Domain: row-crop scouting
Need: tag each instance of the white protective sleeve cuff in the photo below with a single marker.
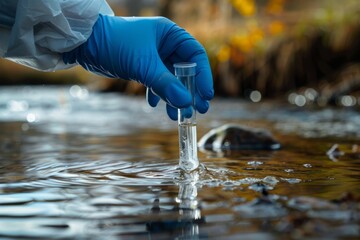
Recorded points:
(43, 29)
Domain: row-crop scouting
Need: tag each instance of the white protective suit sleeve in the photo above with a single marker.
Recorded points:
(35, 33)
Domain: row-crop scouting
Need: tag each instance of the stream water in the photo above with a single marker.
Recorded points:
(84, 165)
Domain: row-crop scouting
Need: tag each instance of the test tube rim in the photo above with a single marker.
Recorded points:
(185, 65)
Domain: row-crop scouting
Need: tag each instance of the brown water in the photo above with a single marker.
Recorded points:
(82, 165)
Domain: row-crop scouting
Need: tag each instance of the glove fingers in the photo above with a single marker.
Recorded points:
(192, 51)
(173, 58)
(182, 47)
(200, 85)
(204, 80)
(172, 112)
(201, 105)
(151, 98)
(168, 87)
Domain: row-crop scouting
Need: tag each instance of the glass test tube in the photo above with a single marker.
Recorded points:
(186, 72)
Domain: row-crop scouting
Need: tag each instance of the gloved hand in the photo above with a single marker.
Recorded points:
(145, 49)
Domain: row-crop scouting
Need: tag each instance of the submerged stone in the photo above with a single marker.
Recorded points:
(335, 154)
(236, 137)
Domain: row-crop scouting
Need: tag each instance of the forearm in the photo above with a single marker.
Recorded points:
(42, 30)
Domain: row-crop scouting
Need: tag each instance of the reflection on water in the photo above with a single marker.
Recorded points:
(77, 164)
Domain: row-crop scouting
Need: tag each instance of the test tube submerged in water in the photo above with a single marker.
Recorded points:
(186, 72)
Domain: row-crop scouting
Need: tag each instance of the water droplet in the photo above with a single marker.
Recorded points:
(307, 165)
(31, 117)
(291, 98)
(78, 92)
(255, 163)
(255, 96)
(348, 101)
(300, 100)
(25, 127)
(249, 180)
(311, 94)
(270, 180)
(291, 180)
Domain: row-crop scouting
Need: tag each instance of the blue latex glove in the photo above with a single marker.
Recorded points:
(145, 49)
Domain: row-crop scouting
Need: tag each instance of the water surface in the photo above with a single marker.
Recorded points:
(78, 164)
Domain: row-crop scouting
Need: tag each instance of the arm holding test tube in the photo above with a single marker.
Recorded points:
(140, 49)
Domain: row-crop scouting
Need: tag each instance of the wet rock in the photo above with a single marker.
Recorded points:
(355, 152)
(347, 198)
(334, 153)
(301, 226)
(236, 137)
(317, 217)
(346, 208)
(305, 203)
(260, 187)
(262, 207)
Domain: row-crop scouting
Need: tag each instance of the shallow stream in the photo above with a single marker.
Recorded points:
(84, 165)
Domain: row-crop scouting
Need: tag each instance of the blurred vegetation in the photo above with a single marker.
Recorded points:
(272, 47)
